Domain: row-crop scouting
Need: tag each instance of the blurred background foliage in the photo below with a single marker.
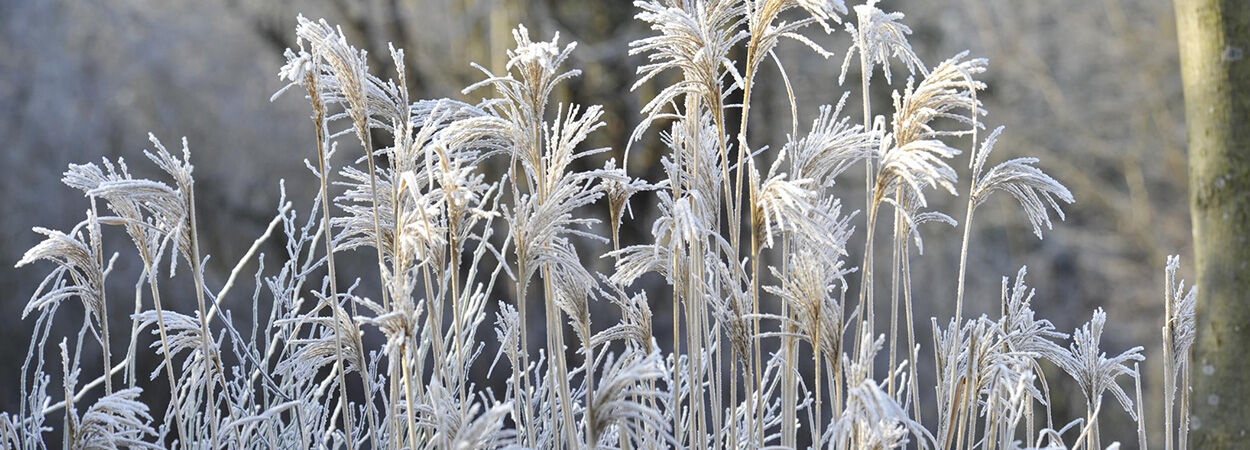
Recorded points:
(1090, 87)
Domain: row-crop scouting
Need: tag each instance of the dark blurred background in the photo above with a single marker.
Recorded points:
(1091, 88)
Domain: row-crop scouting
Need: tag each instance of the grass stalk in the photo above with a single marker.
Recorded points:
(319, 113)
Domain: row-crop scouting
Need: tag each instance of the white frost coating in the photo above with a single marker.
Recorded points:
(432, 200)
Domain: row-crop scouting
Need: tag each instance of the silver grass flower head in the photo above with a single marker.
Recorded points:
(298, 70)
(467, 197)
(565, 134)
(178, 168)
(872, 418)
(857, 370)
(356, 226)
(916, 219)
(455, 425)
(634, 261)
(572, 295)
(766, 31)
(949, 91)
(344, 80)
(1181, 304)
(508, 333)
(914, 166)
(486, 431)
(450, 123)
(1022, 331)
(620, 189)
(130, 198)
(424, 218)
(533, 73)
(820, 10)
(694, 38)
(807, 287)
(442, 128)
(951, 350)
(543, 227)
(1093, 370)
(537, 64)
(635, 325)
(176, 220)
(538, 56)
(677, 227)
(183, 335)
(146, 209)
(691, 140)
(78, 271)
(1003, 373)
(828, 230)
(878, 37)
(1033, 189)
(730, 310)
(795, 206)
(825, 9)
(461, 184)
(89, 177)
(998, 370)
(324, 345)
(115, 421)
(1005, 388)
(346, 66)
(621, 398)
(399, 324)
(831, 146)
(781, 205)
(683, 226)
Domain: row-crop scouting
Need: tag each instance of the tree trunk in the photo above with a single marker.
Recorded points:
(1213, 36)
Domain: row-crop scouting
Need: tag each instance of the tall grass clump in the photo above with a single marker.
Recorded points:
(777, 338)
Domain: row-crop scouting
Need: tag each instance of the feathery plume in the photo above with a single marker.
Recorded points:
(115, 421)
(1093, 370)
(1031, 187)
(879, 35)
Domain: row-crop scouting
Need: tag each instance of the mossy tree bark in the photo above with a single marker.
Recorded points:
(1214, 36)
